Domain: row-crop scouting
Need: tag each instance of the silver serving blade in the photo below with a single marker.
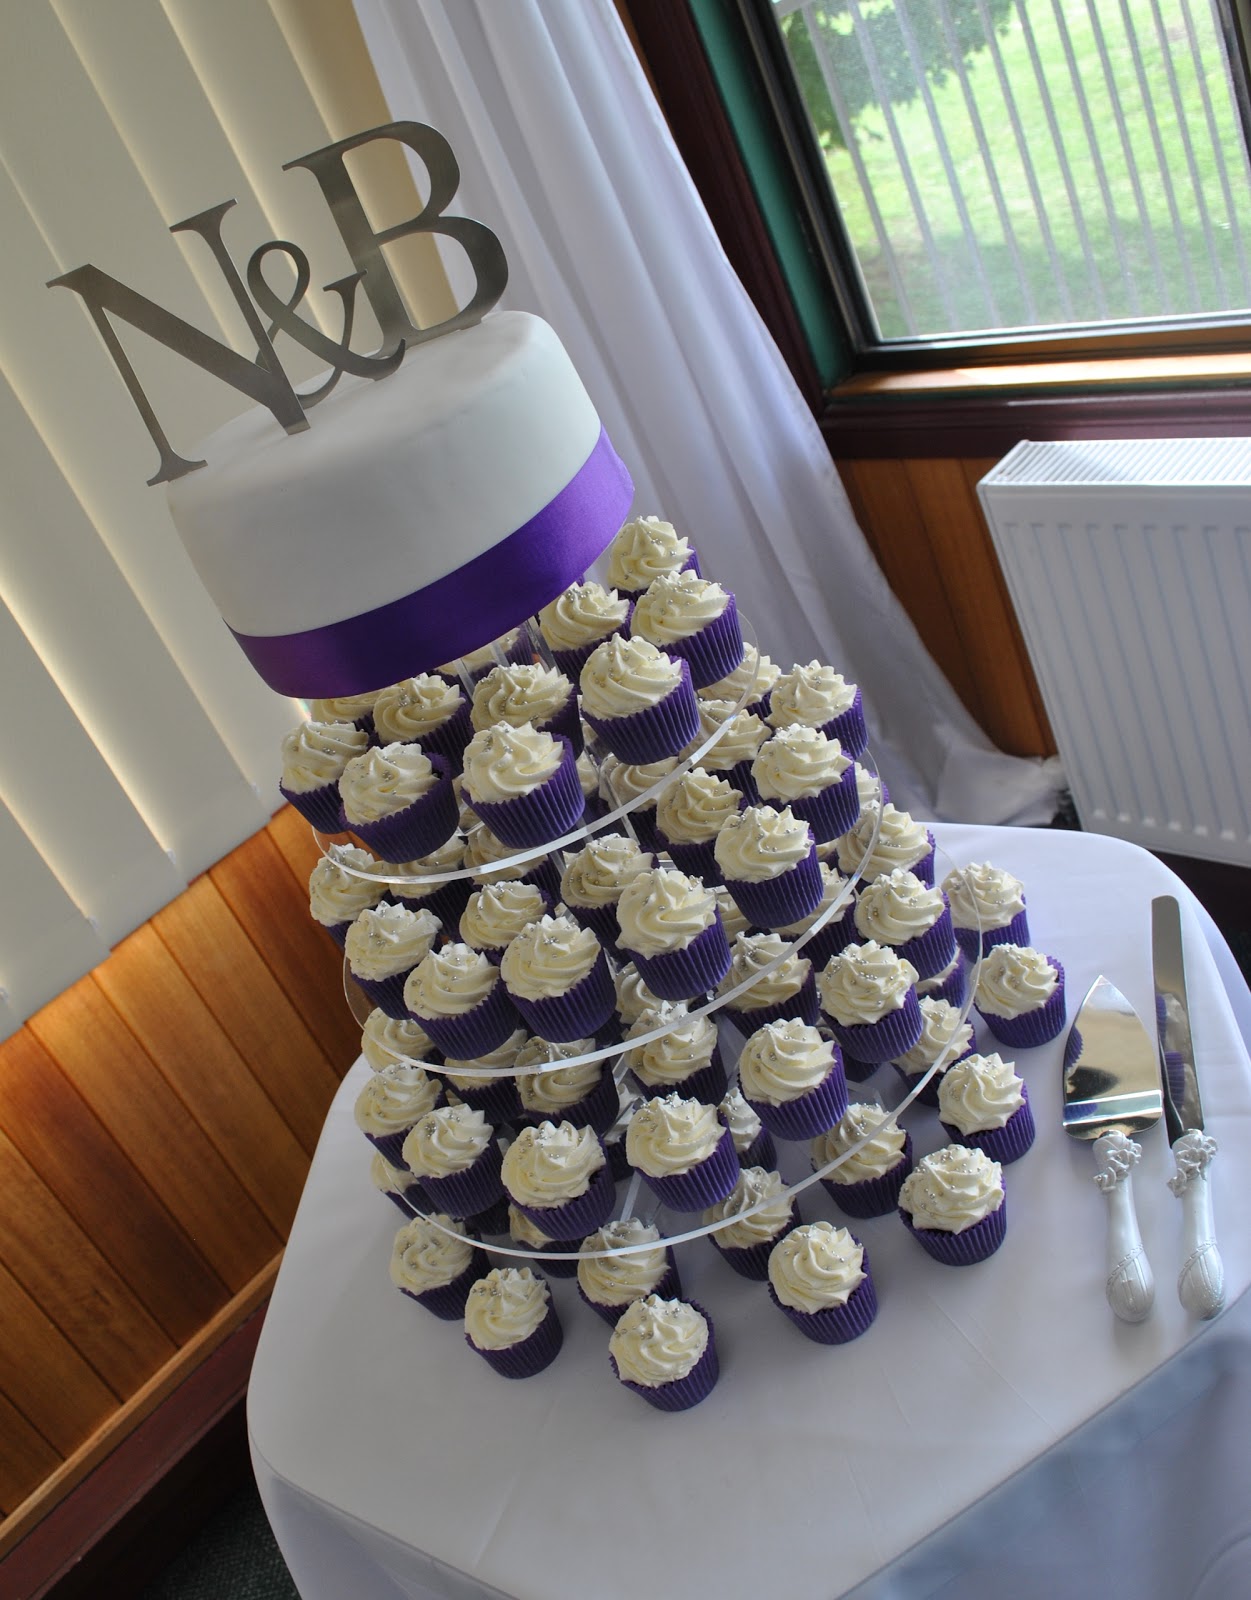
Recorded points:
(1111, 1090)
(1201, 1282)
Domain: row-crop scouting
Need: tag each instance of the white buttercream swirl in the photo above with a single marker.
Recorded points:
(424, 1257)
(483, 849)
(658, 1341)
(980, 1092)
(741, 1120)
(939, 1022)
(597, 873)
(902, 842)
(618, 1280)
(551, 1164)
(953, 1189)
(676, 605)
(344, 707)
(621, 781)
(449, 982)
(693, 810)
(468, 1075)
(797, 763)
(547, 1094)
(622, 676)
(743, 735)
(316, 753)
(336, 895)
(385, 780)
(983, 896)
(761, 843)
(863, 983)
(505, 1308)
(548, 957)
(662, 910)
(1014, 979)
(754, 1184)
(584, 612)
(387, 939)
(395, 1098)
(411, 709)
(813, 694)
(882, 1152)
(408, 880)
(642, 550)
(386, 1040)
(749, 954)
(495, 914)
(897, 907)
(669, 1135)
(388, 1179)
(732, 919)
(754, 676)
(503, 762)
(815, 1267)
(783, 1060)
(520, 694)
(633, 995)
(686, 1047)
(449, 1139)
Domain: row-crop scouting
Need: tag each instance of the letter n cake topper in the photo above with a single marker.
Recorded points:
(261, 377)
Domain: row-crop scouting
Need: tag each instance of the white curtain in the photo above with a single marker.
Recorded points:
(565, 154)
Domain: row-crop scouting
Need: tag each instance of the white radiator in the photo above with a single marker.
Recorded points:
(1129, 563)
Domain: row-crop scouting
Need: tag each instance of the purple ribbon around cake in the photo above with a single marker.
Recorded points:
(463, 610)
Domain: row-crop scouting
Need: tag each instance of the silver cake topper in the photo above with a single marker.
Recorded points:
(261, 377)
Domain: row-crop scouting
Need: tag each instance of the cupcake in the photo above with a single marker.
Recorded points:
(901, 842)
(753, 1143)
(558, 978)
(314, 757)
(490, 860)
(869, 996)
(580, 618)
(953, 1204)
(800, 768)
(341, 886)
(387, 1040)
(754, 677)
(633, 995)
(744, 1242)
(665, 1352)
(593, 879)
(356, 709)
(427, 710)
(987, 908)
(523, 784)
(819, 1277)
(684, 1152)
(815, 696)
(455, 1156)
(1020, 995)
(689, 816)
(628, 1103)
(537, 695)
(768, 861)
(732, 919)
(839, 928)
(486, 1082)
(424, 881)
(789, 990)
(435, 1263)
(867, 1182)
(495, 914)
(621, 783)
(530, 1237)
(639, 700)
(398, 1184)
(685, 1059)
(513, 646)
(983, 1104)
(609, 1284)
(382, 946)
(511, 1322)
(692, 619)
(792, 1078)
(943, 1037)
(456, 995)
(951, 984)
(740, 734)
(584, 1092)
(557, 1175)
(671, 929)
(391, 1103)
(906, 916)
(398, 800)
(643, 550)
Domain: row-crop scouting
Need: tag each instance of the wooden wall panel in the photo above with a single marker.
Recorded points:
(56, 1389)
(26, 1458)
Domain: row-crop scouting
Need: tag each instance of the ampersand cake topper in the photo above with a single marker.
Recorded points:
(261, 377)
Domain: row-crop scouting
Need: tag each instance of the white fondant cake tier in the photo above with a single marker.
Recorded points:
(344, 557)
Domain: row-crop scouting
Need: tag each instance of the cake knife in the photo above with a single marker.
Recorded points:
(1112, 1089)
(1201, 1282)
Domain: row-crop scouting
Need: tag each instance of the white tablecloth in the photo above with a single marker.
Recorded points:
(996, 1432)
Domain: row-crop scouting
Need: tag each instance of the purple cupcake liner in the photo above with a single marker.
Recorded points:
(656, 732)
(597, 1110)
(807, 1114)
(761, 1152)
(386, 993)
(494, 1220)
(833, 938)
(555, 1269)
(962, 1249)
(450, 737)
(849, 728)
(803, 1006)
(532, 1354)
(579, 1216)
(476, 1189)
(1006, 1144)
(411, 1201)
(973, 942)
(924, 868)
(890, 1036)
(320, 807)
(601, 920)
(693, 970)
(836, 1324)
(578, 1012)
(752, 1261)
(831, 813)
(447, 901)
(567, 723)
(544, 874)
(476, 1032)
(704, 1184)
(738, 776)
(706, 1084)
(668, 1287)
(643, 821)
(954, 987)
(618, 1161)
(682, 1393)
(390, 1145)
(858, 1071)
(447, 1302)
(418, 829)
(1032, 1027)
(778, 902)
(337, 931)
(929, 1095)
(496, 1098)
(872, 1197)
(714, 651)
(697, 860)
(930, 952)
(552, 808)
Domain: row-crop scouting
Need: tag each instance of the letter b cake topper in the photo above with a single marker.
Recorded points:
(262, 377)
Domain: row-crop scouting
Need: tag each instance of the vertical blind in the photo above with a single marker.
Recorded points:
(137, 744)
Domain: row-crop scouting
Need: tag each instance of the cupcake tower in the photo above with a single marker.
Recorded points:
(554, 863)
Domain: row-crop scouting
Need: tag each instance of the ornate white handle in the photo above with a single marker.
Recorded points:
(1130, 1285)
(1201, 1282)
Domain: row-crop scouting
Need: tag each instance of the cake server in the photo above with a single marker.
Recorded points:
(1201, 1282)
(1112, 1090)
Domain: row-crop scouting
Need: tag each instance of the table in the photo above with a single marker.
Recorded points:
(997, 1432)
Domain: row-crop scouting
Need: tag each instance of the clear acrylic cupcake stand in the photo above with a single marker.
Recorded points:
(614, 821)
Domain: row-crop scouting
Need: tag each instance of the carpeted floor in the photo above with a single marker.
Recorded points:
(234, 1557)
